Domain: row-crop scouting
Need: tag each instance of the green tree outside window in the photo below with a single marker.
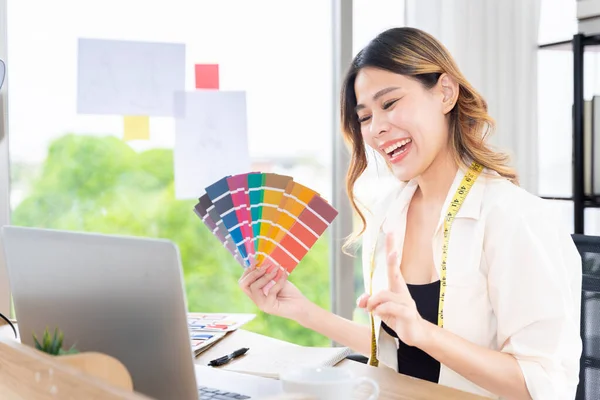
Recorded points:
(100, 184)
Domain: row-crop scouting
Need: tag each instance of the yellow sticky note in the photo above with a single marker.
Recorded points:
(136, 127)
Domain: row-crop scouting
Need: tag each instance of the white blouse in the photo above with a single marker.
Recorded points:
(513, 281)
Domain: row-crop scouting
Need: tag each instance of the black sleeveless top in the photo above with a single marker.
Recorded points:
(413, 361)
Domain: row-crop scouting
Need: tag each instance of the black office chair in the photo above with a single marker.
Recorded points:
(589, 375)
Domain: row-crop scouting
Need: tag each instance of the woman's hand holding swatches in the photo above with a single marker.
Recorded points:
(282, 298)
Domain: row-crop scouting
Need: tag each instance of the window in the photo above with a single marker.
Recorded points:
(558, 23)
(369, 19)
(74, 171)
(555, 98)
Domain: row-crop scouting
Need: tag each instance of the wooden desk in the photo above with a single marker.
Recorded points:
(26, 373)
(393, 386)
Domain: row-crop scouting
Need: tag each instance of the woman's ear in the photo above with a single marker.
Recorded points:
(449, 89)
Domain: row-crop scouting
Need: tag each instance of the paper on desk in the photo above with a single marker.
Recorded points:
(211, 139)
(202, 341)
(273, 361)
(213, 322)
(128, 78)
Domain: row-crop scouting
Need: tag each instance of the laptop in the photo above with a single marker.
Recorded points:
(122, 296)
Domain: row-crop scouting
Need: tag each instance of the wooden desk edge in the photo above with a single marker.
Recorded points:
(26, 373)
(392, 384)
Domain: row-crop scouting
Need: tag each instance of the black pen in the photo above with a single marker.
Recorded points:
(225, 359)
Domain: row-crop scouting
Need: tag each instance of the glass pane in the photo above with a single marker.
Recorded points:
(592, 221)
(555, 124)
(555, 99)
(369, 19)
(558, 20)
(75, 171)
(563, 212)
(372, 17)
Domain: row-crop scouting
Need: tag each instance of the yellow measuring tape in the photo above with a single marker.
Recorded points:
(457, 201)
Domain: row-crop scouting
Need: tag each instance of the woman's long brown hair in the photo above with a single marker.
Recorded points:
(414, 53)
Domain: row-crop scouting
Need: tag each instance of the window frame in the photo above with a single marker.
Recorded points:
(4, 163)
(341, 265)
(341, 268)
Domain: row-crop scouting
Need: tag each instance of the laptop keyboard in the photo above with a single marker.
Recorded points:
(207, 393)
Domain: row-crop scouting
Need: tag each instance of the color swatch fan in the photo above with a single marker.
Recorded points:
(265, 218)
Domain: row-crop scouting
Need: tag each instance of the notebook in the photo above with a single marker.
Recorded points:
(271, 362)
(202, 341)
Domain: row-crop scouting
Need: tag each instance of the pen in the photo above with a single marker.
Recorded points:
(225, 359)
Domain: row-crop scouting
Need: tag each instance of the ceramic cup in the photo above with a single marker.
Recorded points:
(325, 383)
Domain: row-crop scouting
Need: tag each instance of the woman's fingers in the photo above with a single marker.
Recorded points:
(273, 288)
(391, 309)
(250, 275)
(263, 280)
(379, 298)
(246, 272)
(361, 302)
(387, 296)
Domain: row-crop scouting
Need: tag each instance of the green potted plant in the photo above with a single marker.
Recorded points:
(52, 344)
(99, 365)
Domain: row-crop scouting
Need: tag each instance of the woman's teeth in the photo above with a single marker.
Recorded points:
(390, 149)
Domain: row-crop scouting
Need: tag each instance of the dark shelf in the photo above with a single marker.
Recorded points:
(557, 198)
(591, 43)
(562, 45)
(591, 40)
(591, 204)
(588, 202)
(578, 45)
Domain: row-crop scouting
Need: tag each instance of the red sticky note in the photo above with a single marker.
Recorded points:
(207, 76)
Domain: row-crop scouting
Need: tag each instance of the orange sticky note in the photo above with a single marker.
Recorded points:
(136, 127)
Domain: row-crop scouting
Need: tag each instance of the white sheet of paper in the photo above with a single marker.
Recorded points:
(128, 78)
(211, 139)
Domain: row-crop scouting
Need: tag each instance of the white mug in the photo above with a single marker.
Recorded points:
(325, 383)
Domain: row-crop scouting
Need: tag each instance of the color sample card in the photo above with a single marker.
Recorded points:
(255, 196)
(264, 219)
(293, 244)
(297, 197)
(273, 193)
(220, 196)
(136, 127)
(216, 227)
(238, 187)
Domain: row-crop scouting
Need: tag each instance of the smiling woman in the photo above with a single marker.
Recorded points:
(450, 309)
(469, 282)
(400, 78)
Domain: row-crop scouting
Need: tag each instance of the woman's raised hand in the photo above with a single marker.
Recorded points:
(395, 306)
